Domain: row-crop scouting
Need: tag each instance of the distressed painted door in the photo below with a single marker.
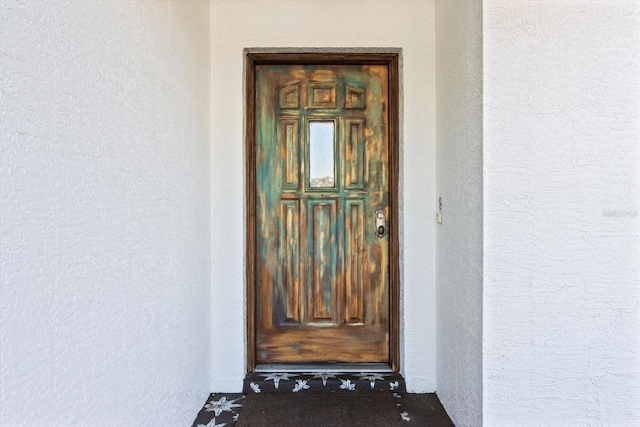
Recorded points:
(322, 291)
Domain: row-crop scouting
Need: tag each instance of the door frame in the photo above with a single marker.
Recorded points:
(391, 60)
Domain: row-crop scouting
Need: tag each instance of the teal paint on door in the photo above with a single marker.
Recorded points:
(322, 158)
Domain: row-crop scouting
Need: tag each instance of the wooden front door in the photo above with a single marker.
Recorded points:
(322, 213)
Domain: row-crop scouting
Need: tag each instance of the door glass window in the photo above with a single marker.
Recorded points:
(321, 154)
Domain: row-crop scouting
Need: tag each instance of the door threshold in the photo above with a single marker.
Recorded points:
(324, 377)
(323, 367)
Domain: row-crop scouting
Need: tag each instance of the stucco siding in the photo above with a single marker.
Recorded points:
(561, 213)
(459, 184)
(104, 212)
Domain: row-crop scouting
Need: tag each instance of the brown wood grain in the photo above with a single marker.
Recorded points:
(317, 341)
(302, 344)
(394, 243)
(250, 193)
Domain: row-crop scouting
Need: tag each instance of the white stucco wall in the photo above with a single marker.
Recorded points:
(459, 183)
(104, 212)
(408, 25)
(561, 213)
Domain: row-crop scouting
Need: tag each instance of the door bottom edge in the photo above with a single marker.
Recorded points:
(323, 367)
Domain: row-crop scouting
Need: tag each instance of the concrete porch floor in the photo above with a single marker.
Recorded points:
(223, 410)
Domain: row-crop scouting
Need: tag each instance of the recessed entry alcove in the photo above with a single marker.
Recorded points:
(499, 212)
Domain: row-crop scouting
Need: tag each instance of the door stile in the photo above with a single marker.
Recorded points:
(250, 192)
(394, 206)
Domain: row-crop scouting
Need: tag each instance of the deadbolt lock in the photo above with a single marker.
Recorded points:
(381, 222)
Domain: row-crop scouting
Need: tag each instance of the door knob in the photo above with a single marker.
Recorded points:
(381, 222)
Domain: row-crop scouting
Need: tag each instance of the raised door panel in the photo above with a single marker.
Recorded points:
(323, 251)
(289, 282)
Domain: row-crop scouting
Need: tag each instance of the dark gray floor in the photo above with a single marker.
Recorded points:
(225, 410)
(319, 410)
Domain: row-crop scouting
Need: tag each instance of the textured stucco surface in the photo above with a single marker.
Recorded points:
(561, 213)
(104, 212)
(459, 183)
(408, 25)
